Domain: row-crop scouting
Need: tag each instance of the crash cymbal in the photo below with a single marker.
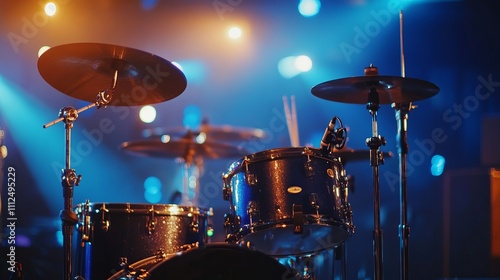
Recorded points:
(348, 154)
(182, 148)
(212, 132)
(390, 89)
(81, 70)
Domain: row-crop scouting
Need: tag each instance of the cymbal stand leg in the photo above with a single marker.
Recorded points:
(375, 159)
(402, 110)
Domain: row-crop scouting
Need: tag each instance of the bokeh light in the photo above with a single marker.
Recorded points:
(50, 9)
(309, 8)
(147, 114)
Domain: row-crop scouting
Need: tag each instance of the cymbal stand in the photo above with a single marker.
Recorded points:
(402, 110)
(69, 179)
(374, 143)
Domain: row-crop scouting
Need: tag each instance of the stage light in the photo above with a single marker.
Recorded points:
(50, 9)
(286, 67)
(437, 165)
(309, 8)
(165, 138)
(201, 138)
(152, 184)
(147, 114)
(42, 50)
(234, 33)
(303, 63)
(152, 197)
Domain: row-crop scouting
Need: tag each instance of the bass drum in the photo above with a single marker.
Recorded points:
(211, 262)
(288, 201)
(111, 235)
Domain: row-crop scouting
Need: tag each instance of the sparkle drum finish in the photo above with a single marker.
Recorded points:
(287, 201)
(113, 234)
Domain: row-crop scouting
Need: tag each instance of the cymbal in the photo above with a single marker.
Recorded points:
(82, 70)
(182, 148)
(390, 89)
(213, 132)
(348, 154)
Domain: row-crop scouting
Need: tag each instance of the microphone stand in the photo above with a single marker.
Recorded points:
(69, 179)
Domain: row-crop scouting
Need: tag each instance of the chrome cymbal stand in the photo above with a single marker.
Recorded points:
(69, 179)
(374, 143)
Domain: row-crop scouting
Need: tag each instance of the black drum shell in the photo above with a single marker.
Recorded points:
(127, 235)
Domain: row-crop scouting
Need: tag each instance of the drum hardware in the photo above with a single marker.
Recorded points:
(151, 221)
(69, 179)
(104, 222)
(374, 90)
(298, 219)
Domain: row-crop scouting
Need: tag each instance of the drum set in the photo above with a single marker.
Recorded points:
(288, 214)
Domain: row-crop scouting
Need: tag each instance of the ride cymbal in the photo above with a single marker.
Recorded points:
(82, 70)
(390, 89)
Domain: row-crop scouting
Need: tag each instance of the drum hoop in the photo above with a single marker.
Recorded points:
(137, 208)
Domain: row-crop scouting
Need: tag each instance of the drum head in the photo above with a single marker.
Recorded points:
(221, 262)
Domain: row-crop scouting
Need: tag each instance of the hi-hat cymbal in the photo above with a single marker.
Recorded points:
(348, 154)
(183, 148)
(390, 89)
(212, 132)
(82, 70)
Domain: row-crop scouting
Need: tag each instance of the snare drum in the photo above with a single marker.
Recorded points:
(110, 234)
(211, 262)
(287, 201)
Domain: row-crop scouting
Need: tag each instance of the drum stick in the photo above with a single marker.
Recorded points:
(288, 119)
(295, 124)
(401, 44)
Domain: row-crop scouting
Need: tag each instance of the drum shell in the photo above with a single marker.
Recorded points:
(134, 232)
(263, 189)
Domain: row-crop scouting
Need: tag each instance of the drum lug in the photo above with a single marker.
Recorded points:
(314, 200)
(308, 168)
(195, 226)
(231, 222)
(252, 210)
(251, 178)
(298, 219)
(151, 221)
(85, 229)
(104, 218)
(226, 193)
